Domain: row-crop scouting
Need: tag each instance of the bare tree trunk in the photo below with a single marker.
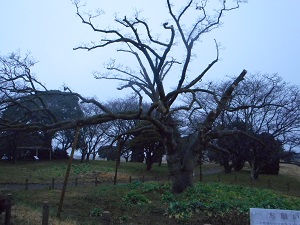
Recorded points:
(87, 157)
(181, 173)
(160, 161)
(255, 169)
(181, 177)
(149, 158)
(226, 164)
(254, 174)
(179, 183)
(181, 170)
(82, 158)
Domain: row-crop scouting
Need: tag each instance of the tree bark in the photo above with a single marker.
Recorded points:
(82, 157)
(182, 173)
(255, 169)
(180, 179)
(87, 157)
(181, 170)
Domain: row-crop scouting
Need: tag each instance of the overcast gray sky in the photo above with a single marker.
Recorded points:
(262, 36)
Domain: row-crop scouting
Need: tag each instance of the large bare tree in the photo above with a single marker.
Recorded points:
(158, 62)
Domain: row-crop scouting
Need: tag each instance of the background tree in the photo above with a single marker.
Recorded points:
(25, 101)
(64, 139)
(94, 136)
(265, 105)
(108, 152)
(44, 108)
(119, 127)
(237, 146)
(273, 112)
(265, 157)
(148, 145)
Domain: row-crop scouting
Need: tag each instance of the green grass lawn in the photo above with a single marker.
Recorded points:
(280, 183)
(45, 171)
(220, 199)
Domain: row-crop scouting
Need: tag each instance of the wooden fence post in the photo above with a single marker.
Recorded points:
(129, 179)
(63, 192)
(26, 184)
(53, 181)
(45, 218)
(76, 182)
(96, 181)
(8, 209)
(106, 218)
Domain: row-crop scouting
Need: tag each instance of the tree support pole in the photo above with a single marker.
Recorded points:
(68, 172)
(118, 159)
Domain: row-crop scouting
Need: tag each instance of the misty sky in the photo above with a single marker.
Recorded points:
(262, 36)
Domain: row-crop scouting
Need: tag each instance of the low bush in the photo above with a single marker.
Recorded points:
(135, 198)
(223, 203)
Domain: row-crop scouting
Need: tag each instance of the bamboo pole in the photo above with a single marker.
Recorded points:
(67, 173)
(45, 218)
(119, 147)
(8, 209)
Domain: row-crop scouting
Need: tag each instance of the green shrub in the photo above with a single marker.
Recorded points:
(224, 204)
(180, 211)
(134, 198)
(167, 197)
(150, 187)
(96, 212)
(124, 218)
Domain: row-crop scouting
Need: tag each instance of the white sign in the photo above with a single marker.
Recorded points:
(274, 217)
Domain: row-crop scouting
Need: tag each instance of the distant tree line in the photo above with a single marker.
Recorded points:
(263, 131)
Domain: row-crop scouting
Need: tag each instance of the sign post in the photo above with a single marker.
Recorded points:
(274, 217)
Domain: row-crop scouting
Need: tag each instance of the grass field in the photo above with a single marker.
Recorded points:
(44, 172)
(219, 199)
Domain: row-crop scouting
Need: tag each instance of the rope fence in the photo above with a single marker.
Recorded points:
(54, 184)
(230, 179)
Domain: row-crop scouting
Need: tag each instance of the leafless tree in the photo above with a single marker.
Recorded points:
(274, 107)
(157, 62)
(266, 105)
(94, 136)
